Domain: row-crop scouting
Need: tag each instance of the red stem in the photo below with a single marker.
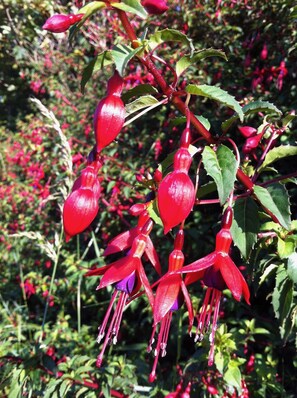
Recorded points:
(169, 92)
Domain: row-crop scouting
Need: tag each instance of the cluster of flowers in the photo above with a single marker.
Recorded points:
(175, 191)
(175, 197)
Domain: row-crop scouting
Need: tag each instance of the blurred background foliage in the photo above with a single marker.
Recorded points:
(54, 355)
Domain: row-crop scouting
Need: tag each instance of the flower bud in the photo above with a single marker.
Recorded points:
(251, 143)
(247, 131)
(60, 23)
(155, 7)
(176, 197)
(109, 116)
(182, 160)
(80, 209)
(81, 206)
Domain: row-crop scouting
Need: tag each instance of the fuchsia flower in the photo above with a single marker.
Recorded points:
(170, 294)
(59, 23)
(109, 115)
(176, 193)
(125, 240)
(127, 275)
(155, 7)
(220, 273)
(81, 206)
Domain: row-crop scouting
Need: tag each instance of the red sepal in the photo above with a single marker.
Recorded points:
(166, 295)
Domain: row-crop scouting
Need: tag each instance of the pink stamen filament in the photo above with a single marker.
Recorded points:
(114, 326)
(161, 343)
(102, 328)
(210, 309)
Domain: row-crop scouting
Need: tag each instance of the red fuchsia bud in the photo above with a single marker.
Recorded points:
(176, 197)
(81, 206)
(137, 209)
(157, 176)
(227, 218)
(182, 160)
(251, 143)
(155, 7)
(247, 131)
(109, 116)
(80, 209)
(264, 52)
(223, 240)
(59, 23)
(115, 84)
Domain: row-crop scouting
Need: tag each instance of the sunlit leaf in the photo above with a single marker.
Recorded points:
(275, 201)
(221, 166)
(188, 60)
(216, 94)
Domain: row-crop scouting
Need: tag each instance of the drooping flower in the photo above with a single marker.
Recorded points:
(128, 276)
(220, 273)
(170, 295)
(109, 115)
(155, 7)
(176, 193)
(81, 206)
(125, 240)
(59, 23)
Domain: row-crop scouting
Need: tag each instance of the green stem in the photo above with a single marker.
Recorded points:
(51, 285)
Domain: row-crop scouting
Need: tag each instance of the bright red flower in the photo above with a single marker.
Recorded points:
(60, 23)
(128, 275)
(176, 193)
(125, 240)
(170, 294)
(109, 116)
(81, 206)
(155, 7)
(220, 273)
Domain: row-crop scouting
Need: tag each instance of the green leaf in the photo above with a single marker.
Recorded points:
(131, 6)
(245, 225)
(140, 103)
(182, 119)
(141, 89)
(267, 272)
(162, 36)
(278, 153)
(288, 119)
(217, 94)
(188, 60)
(285, 247)
(88, 10)
(275, 201)
(252, 107)
(221, 166)
(282, 295)
(101, 61)
(292, 267)
(154, 212)
(122, 54)
(233, 376)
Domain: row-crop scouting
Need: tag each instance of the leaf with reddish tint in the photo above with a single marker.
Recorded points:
(167, 293)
